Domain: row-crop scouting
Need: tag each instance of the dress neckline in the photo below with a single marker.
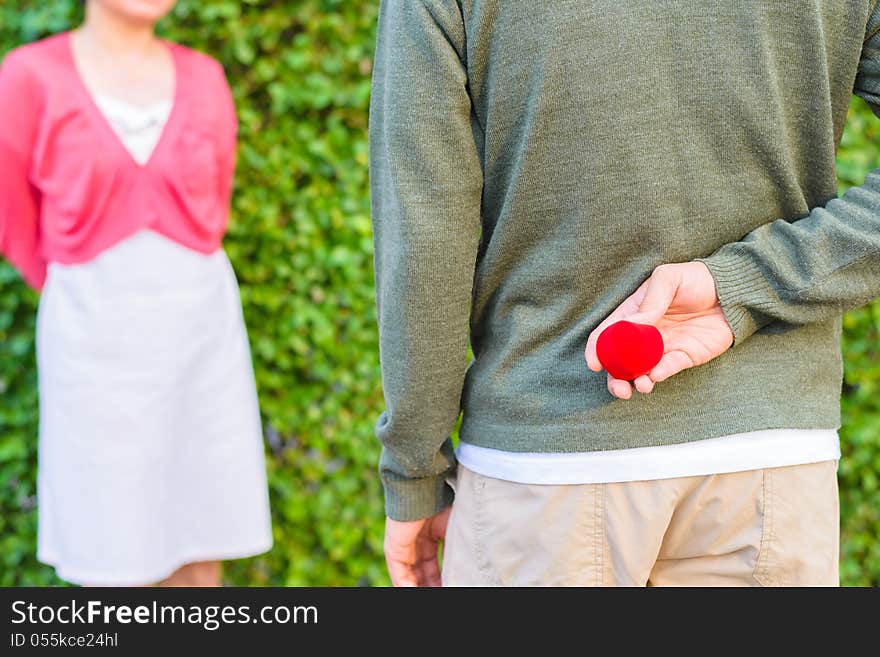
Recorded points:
(106, 100)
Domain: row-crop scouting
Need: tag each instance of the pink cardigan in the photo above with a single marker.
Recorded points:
(68, 187)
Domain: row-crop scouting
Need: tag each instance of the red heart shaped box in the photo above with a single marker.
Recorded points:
(628, 350)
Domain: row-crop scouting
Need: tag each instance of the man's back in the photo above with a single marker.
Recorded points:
(533, 163)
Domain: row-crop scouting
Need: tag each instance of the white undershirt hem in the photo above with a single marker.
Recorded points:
(753, 450)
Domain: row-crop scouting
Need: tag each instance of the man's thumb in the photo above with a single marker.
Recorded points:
(659, 294)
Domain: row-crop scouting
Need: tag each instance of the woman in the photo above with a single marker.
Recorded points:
(117, 152)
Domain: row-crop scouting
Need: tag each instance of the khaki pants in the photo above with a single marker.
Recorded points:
(773, 527)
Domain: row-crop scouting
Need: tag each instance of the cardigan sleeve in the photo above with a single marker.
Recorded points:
(819, 266)
(228, 135)
(20, 106)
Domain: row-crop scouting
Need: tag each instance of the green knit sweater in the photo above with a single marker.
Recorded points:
(532, 162)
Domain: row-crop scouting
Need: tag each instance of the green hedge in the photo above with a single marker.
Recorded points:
(300, 244)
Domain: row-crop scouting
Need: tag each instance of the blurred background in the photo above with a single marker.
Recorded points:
(300, 243)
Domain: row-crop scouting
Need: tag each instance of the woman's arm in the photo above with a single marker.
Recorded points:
(20, 106)
(228, 134)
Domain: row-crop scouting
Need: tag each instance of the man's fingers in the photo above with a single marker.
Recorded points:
(437, 530)
(619, 388)
(425, 572)
(644, 384)
(672, 362)
(411, 549)
(428, 573)
(402, 574)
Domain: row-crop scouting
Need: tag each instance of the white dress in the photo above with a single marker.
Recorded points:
(150, 452)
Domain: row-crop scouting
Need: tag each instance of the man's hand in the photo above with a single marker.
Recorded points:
(411, 549)
(681, 301)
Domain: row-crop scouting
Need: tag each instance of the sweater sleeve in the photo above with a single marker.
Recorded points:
(426, 187)
(816, 267)
(19, 200)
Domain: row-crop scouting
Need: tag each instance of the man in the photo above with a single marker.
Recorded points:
(540, 171)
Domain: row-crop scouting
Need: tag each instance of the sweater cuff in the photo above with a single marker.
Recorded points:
(741, 287)
(415, 499)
